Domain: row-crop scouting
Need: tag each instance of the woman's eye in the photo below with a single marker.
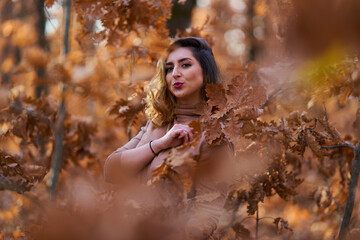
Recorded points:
(186, 65)
(169, 69)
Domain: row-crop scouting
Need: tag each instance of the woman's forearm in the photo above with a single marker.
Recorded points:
(130, 161)
(126, 163)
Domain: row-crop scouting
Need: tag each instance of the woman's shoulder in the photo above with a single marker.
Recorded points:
(150, 126)
(151, 132)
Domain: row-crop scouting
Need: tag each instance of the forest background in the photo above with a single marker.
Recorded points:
(71, 92)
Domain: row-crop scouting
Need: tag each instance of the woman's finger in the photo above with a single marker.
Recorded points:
(181, 134)
(186, 138)
(189, 133)
(191, 137)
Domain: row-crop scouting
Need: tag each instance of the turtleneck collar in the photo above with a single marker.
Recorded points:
(187, 113)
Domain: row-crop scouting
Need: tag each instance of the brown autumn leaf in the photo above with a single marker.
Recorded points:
(49, 3)
(247, 112)
(208, 197)
(7, 65)
(118, 108)
(25, 35)
(294, 118)
(179, 159)
(248, 130)
(241, 93)
(160, 171)
(305, 117)
(78, 138)
(20, 127)
(36, 57)
(124, 18)
(213, 131)
(355, 76)
(314, 145)
(128, 110)
(344, 95)
(331, 130)
(241, 231)
(281, 224)
(176, 168)
(233, 126)
(216, 100)
(34, 170)
(58, 73)
(196, 129)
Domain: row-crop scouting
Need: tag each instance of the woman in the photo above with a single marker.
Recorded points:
(173, 99)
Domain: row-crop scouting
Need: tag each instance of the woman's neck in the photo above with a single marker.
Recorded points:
(188, 101)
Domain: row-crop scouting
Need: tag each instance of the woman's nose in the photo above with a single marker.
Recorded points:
(176, 73)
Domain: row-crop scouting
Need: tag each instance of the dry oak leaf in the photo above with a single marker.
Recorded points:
(248, 112)
(177, 168)
(330, 129)
(34, 170)
(49, 3)
(196, 129)
(178, 158)
(233, 126)
(304, 117)
(217, 103)
(281, 224)
(36, 57)
(20, 127)
(58, 73)
(344, 95)
(241, 93)
(213, 131)
(208, 197)
(314, 145)
(241, 231)
(294, 118)
(119, 108)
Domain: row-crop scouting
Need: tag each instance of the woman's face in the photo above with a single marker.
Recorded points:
(184, 76)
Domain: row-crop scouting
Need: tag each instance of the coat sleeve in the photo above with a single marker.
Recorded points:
(112, 164)
(212, 182)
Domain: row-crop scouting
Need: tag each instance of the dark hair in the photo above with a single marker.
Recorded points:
(204, 55)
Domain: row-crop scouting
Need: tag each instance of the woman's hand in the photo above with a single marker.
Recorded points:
(176, 136)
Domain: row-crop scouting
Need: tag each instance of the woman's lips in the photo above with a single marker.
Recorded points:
(178, 84)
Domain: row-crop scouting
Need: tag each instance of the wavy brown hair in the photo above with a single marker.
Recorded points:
(160, 101)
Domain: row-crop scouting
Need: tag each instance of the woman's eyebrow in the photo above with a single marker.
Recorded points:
(180, 60)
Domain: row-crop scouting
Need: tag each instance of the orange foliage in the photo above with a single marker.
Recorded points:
(287, 151)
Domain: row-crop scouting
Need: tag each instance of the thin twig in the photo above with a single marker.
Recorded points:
(266, 218)
(341, 145)
(246, 219)
(272, 96)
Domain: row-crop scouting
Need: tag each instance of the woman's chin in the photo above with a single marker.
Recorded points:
(179, 94)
